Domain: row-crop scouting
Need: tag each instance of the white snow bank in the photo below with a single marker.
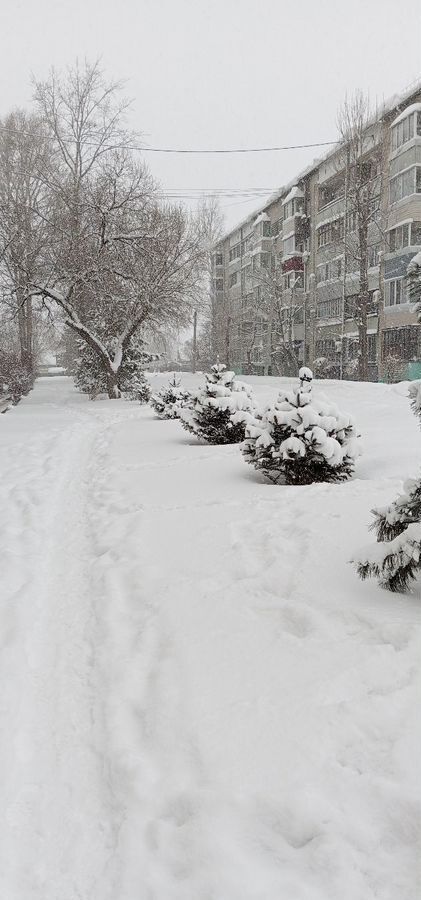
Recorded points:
(199, 699)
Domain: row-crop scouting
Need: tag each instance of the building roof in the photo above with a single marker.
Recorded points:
(389, 106)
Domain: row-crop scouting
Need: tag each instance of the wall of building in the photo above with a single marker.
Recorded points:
(299, 240)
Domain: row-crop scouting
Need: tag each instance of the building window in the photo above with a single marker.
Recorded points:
(395, 292)
(266, 229)
(330, 271)
(288, 246)
(405, 184)
(403, 132)
(322, 273)
(372, 347)
(373, 256)
(326, 347)
(293, 208)
(399, 238)
(402, 343)
(328, 193)
(219, 259)
(235, 252)
(416, 232)
(351, 306)
(329, 309)
(233, 279)
(323, 236)
(293, 280)
(219, 285)
(330, 233)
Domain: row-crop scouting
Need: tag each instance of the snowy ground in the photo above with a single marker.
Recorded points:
(198, 699)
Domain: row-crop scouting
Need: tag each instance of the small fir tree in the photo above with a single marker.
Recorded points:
(396, 559)
(90, 375)
(302, 439)
(219, 411)
(169, 401)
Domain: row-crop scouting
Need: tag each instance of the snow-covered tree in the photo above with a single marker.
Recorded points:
(114, 252)
(220, 410)
(24, 154)
(16, 379)
(90, 374)
(169, 401)
(414, 279)
(302, 438)
(396, 559)
(360, 162)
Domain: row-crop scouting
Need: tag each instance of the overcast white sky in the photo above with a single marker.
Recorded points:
(221, 73)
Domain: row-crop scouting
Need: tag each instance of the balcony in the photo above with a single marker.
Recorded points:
(294, 263)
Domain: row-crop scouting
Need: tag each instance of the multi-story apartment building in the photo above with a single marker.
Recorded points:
(287, 285)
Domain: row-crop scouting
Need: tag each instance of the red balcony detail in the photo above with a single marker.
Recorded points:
(293, 264)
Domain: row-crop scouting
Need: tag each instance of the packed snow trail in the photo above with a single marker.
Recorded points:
(199, 699)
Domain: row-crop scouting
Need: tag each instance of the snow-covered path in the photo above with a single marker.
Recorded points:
(199, 701)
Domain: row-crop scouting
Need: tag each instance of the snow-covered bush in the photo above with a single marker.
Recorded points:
(393, 369)
(15, 379)
(90, 375)
(324, 367)
(302, 438)
(169, 401)
(219, 411)
(396, 559)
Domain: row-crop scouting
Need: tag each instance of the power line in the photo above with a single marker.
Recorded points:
(144, 148)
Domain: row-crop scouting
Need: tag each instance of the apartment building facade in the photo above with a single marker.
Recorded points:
(286, 280)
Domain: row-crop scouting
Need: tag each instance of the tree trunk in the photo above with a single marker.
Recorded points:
(364, 299)
(29, 362)
(112, 385)
(194, 361)
(227, 341)
(363, 345)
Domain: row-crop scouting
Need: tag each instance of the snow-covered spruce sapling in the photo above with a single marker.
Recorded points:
(396, 558)
(90, 374)
(302, 438)
(169, 401)
(220, 410)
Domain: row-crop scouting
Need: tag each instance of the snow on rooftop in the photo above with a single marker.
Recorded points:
(262, 217)
(382, 110)
(294, 192)
(414, 107)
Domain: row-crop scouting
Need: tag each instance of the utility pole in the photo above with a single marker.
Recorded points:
(194, 341)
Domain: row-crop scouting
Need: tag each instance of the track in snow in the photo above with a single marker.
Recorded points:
(196, 703)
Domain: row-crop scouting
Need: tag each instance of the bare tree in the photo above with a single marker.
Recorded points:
(210, 223)
(116, 259)
(361, 163)
(282, 310)
(24, 154)
(138, 268)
